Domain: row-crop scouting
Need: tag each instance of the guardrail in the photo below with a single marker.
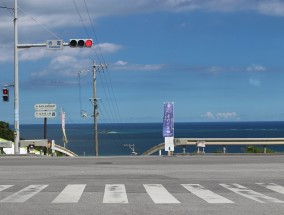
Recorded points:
(219, 141)
(64, 151)
(37, 142)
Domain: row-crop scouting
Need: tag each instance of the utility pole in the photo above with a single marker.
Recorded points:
(95, 100)
(16, 84)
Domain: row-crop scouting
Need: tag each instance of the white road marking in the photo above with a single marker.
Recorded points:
(159, 194)
(115, 193)
(71, 194)
(4, 187)
(241, 190)
(25, 194)
(273, 187)
(206, 194)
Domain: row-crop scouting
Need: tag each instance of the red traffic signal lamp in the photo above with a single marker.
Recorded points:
(81, 43)
(5, 94)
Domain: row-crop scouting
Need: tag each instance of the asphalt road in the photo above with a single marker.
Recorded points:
(214, 185)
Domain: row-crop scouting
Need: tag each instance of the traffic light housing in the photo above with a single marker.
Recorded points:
(5, 94)
(80, 43)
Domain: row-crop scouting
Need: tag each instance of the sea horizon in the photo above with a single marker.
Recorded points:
(114, 136)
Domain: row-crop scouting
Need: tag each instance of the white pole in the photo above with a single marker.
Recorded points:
(16, 83)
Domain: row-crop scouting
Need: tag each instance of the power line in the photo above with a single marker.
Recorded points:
(81, 18)
(8, 8)
(94, 32)
(34, 19)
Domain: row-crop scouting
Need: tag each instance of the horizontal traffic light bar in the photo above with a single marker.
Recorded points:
(88, 43)
(73, 43)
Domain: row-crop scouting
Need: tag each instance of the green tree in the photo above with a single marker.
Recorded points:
(5, 131)
(255, 149)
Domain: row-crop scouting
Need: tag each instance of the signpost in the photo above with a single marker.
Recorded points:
(45, 107)
(45, 111)
(45, 114)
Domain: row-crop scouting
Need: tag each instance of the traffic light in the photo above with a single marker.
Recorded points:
(81, 43)
(5, 94)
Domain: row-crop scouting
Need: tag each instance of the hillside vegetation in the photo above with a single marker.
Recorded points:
(5, 131)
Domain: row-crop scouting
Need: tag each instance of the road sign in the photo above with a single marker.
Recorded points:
(45, 114)
(45, 106)
(169, 144)
(54, 44)
(24, 143)
(5, 144)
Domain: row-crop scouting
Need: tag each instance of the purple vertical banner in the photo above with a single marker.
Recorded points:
(168, 120)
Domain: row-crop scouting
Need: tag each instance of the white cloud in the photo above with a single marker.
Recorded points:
(107, 48)
(227, 115)
(221, 116)
(208, 115)
(215, 70)
(256, 68)
(271, 7)
(122, 65)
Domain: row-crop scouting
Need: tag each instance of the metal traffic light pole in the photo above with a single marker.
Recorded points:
(88, 43)
(16, 84)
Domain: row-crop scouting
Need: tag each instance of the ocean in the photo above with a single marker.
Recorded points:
(114, 137)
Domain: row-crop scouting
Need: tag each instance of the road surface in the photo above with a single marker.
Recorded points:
(192, 185)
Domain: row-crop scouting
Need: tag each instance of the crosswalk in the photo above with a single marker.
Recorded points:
(158, 193)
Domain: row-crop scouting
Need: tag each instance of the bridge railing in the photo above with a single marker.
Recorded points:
(219, 141)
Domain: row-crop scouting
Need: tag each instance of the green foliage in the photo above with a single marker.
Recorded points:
(255, 149)
(5, 131)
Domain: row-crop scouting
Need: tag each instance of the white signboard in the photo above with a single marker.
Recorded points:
(169, 144)
(200, 144)
(24, 143)
(45, 114)
(54, 44)
(6, 144)
(45, 106)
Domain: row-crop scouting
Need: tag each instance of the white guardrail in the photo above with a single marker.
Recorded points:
(219, 141)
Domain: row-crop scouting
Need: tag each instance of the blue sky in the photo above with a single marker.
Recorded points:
(217, 60)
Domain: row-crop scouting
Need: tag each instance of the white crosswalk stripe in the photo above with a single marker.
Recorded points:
(4, 187)
(205, 194)
(115, 193)
(71, 194)
(241, 190)
(273, 187)
(159, 194)
(25, 194)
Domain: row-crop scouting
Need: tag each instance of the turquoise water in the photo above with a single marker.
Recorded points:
(112, 137)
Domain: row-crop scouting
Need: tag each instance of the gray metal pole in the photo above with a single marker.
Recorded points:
(16, 82)
(96, 143)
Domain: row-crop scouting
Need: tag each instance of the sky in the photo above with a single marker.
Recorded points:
(217, 60)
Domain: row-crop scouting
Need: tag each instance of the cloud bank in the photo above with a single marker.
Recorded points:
(226, 116)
